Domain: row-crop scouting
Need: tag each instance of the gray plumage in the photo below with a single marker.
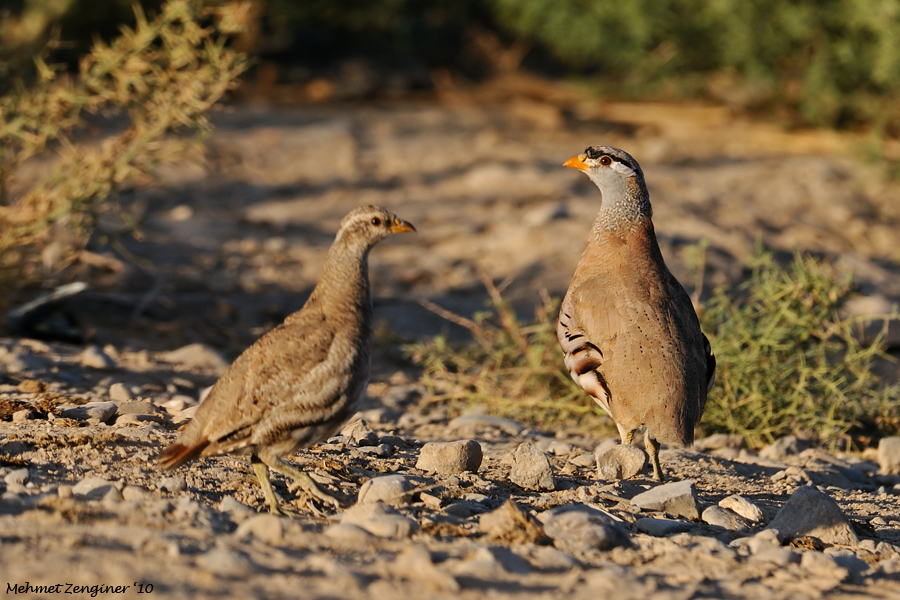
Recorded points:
(302, 380)
(629, 332)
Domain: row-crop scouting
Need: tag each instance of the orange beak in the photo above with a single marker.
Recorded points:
(577, 162)
(401, 226)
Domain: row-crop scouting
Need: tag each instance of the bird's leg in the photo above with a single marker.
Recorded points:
(262, 474)
(302, 479)
(626, 435)
(653, 451)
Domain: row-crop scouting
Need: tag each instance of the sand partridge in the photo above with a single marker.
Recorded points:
(628, 330)
(302, 380)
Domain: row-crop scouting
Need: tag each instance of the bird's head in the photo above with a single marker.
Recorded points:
(621, 182)
(368, 225)
(606, 165)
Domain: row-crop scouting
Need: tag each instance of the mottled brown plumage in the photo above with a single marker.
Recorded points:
(300, 382)
(628, 330)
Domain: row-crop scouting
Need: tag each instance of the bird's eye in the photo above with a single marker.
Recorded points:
(376, 221)
(591, 153)
(606, 161)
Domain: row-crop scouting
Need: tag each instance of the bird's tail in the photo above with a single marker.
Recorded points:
(178, 454)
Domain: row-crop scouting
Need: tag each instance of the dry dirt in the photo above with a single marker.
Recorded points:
(229, 246)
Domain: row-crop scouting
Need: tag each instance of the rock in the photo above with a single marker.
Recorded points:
(531, 468)
(391, 489)
(783, 447)
(92, 411)
(196, 356)
(138, 407)
(381, 450)
(620, 462)
(380, 519)
(470, 423)
(450, 457)
(809, 512)
(173, 483)
(547, 558)
(677, 499)
(267, 528)
(823, 566)
(661, 527)
(719, 441)
(226, 563)
(92, 487)
(511, 524)
(722, 517)
(17, 476)
(349, 534)
(119, 393)
(95, 358)
(580, 528)
(414, 563)
(135, 492)
(359, 434)
(583, 459)
(465, 508)
(889, 455)
(743, 507)
(235, 507)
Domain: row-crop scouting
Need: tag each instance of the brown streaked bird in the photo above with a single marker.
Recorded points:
(297, 385)
(629, 332)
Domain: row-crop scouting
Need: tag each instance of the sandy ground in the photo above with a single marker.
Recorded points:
(230, 245)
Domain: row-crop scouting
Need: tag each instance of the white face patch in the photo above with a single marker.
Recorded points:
(622, 169)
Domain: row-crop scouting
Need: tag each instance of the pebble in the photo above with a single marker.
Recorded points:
(119, 393)
(677, 499)
(743, 507)
(135, 492)
(414, 563)
(661, 527)
(358, 433)
(138, 407)
(173, 483)
(234, 507)
(391, 489)
(92, 411)
(23, 415)
(531, 468)
(810, 512)
(889, 455)
(95, 358)
(349, 534)
(266, 528)
(91, 487)
(465, 508)
(512, 524)
(381, 450)
(472, 422)
(196, 356)
(17, 476)
(226, 563)
(623, 461)
(380, 519)
(450, 457)
(580, 528)
(547, 558)
(583, 459)
(722, 517)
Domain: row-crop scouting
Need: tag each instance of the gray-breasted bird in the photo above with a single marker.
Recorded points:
(629, 332)
(297, 384)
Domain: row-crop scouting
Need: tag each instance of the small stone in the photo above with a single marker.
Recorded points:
(226, 563)
(267, 528)
(531, 468)
(32, 386)
(113, 495)
(722, 517)
(119, 393)
(449, 458)
(380, 519)
(138, 407)
(661, 527)
(235, 507)
(17, 476)
(414, 563)
(173, 483)
(547, 558)
(464, 508)
(95, 358)
(810, 512)
(91, 487)
(23, 415)
(580, 528)
(583, 459)
(824, 566)
(889, 455)
(391, 489)
(783, 447)
(620, 462)
(196, 356)
(381, 450)
(743, 507)
(511, 524)
(359, 434)
(677, 499)
(349, 534)
(135, 492)
(92, 411)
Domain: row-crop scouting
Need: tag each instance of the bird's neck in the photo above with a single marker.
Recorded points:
(624, 208)
(343, 287)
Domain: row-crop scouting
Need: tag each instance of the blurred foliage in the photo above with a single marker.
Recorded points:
(163, 75)
(788, 362)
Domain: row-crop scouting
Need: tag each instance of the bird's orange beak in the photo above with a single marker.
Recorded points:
(577, 162)
(401, 226)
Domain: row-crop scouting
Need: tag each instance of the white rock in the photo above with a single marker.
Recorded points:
(95, 358)
(889, 455)
(267, 528)
(450, 457)
(623, 461)
(743, 507)
(677, 499)
(359, 434)
(809, 512)
(92, 487)
(119, 393)
(173, 483)
(92, 411)
(227, 563)
(531, 468)
(380, 519)
(391, 489)
(17, 476)
(722, 517)
(580, 528)
(349, 534)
